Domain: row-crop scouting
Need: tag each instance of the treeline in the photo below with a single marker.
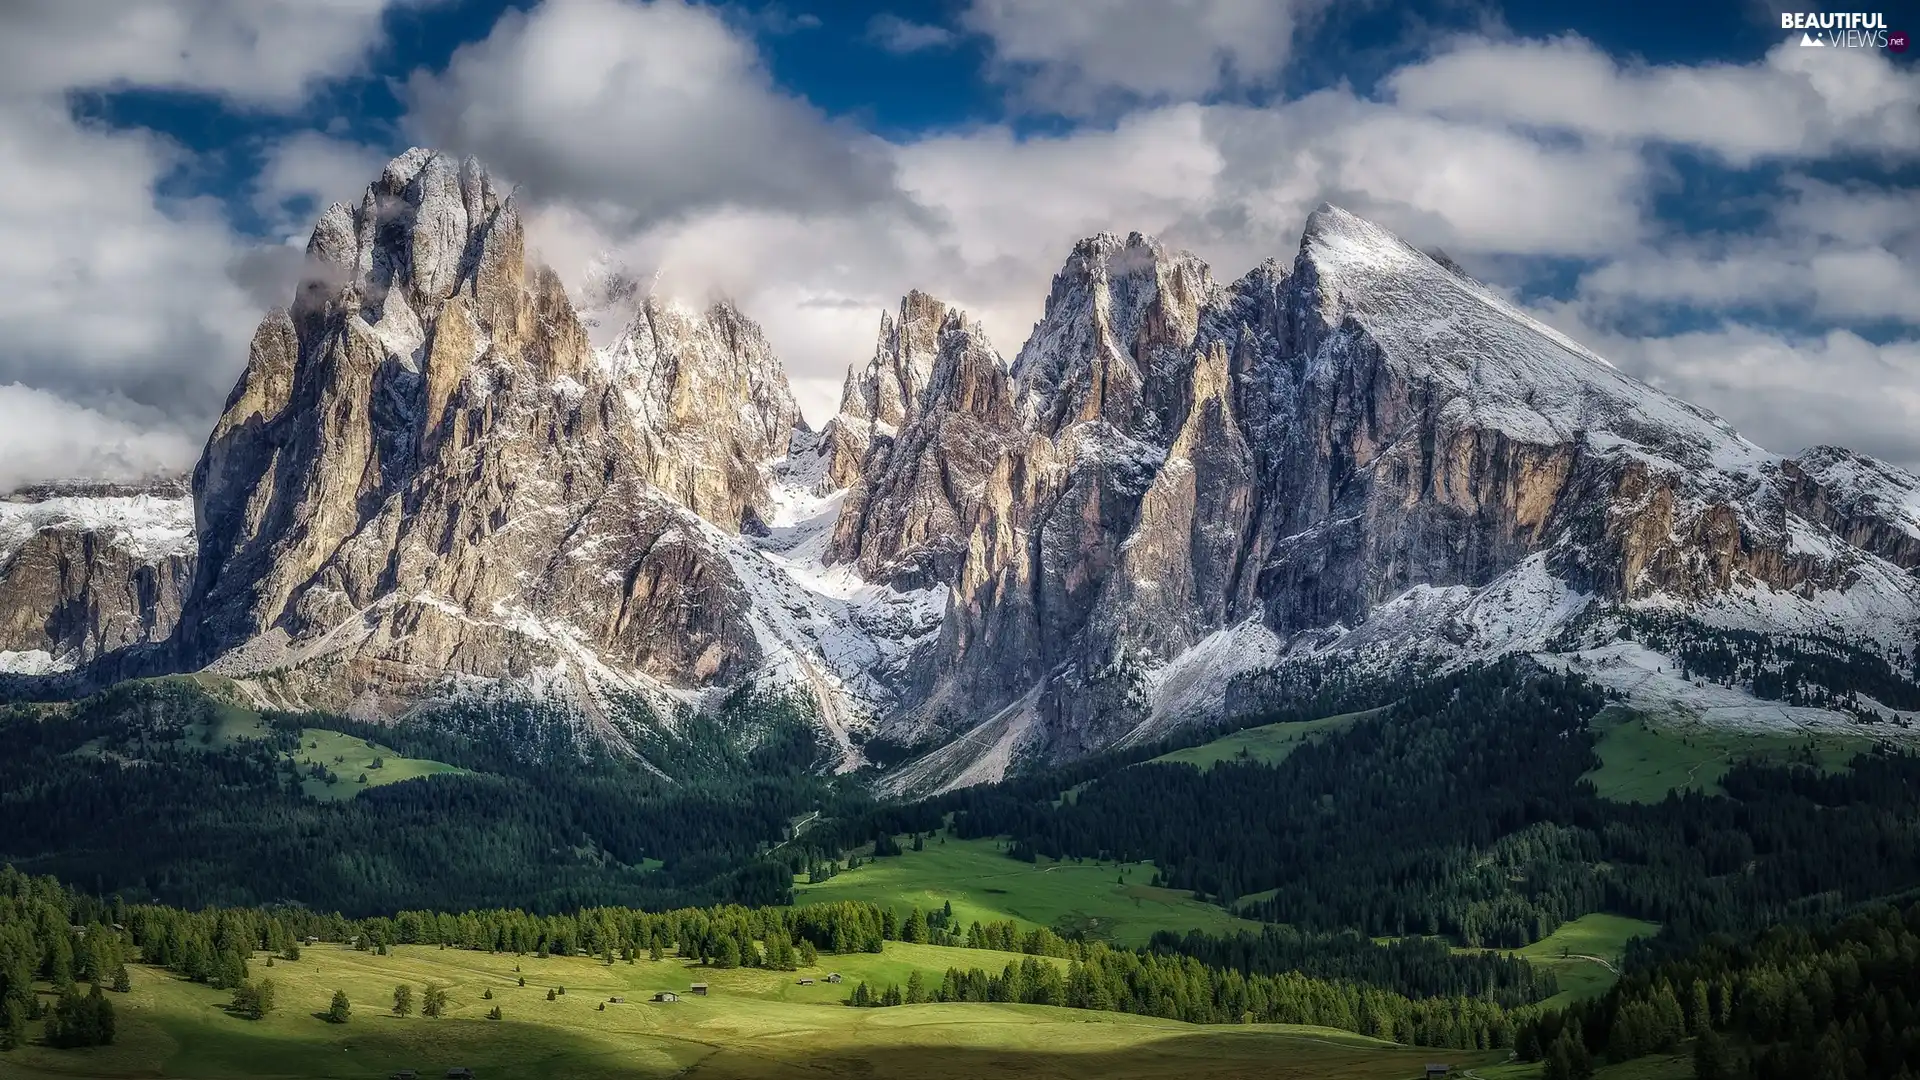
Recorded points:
(1415, 967)
(50, 933)
(1460, 811)
(1182, 988)
(117, 793)
(1791, 1004)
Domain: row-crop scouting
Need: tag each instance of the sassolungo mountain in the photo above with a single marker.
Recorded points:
(433, 481)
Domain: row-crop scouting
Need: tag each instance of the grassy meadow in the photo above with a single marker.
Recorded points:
(1605, 936)
(1642, 759)
(984, 885)
(349, 757)
(1268, 744)
(756, 1024)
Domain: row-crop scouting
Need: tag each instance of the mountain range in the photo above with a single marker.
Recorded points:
(441, 478)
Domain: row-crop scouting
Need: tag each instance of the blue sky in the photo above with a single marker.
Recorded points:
(1720, 212)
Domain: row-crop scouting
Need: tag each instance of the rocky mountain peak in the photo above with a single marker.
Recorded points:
(879, 395)
(430, 477)
(919, 487)
(710, 404)
(1108, 346)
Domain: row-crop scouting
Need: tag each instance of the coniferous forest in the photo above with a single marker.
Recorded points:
(1461, 811)
(1452, 812)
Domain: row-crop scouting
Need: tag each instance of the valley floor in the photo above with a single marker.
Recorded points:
(756, 1024)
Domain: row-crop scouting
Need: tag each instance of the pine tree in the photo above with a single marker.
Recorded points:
(433, 1000)
(403, 1000)
(915, 928)
(340, 1010)
(487, 994)
(253, 1000)
(916, 988)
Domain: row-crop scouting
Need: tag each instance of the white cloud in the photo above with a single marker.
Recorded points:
(1071, 58)
(898, 35)
(124, 316)
(49, 437)
(1796, 103)
(1834, 253)
(1786, 392)
(307, 171)
(639, 111)
(100, 287)
(267, 52)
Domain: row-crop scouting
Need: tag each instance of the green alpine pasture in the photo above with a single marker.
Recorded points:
(1268, 744)
(1642, 758)
(350, 758)
(754, 1024)
(1109, 901)
(231, 722)
(1596, 935)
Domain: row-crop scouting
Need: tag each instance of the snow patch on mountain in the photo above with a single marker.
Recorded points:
(1193, 685)
(1652, 683)
(1507, 370)
(148, 527)
(33, 662)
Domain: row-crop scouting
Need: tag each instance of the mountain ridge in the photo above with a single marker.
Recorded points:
(431, 478)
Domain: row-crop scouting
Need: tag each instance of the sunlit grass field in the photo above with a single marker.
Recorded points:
(754, 1024)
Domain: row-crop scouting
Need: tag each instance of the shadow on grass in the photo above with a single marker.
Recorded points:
(506, 1050)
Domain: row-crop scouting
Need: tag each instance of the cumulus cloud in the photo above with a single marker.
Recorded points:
(639, 112)
(1833, 252)
(125, 314)
(51, 438)
(1795, 103)
(304, 173)
(1073, 58)
(1785, 391)
(259, 52)
(101, 289)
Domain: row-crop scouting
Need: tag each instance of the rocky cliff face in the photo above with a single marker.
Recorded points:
(709, 405)
(427, 473)
(906, 517)
(1367, 450)
(432, 477)
(87, 570)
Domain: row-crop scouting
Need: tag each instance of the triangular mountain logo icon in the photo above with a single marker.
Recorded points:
(1809, 39)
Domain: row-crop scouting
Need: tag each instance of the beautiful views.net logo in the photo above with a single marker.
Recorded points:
(1844, 30)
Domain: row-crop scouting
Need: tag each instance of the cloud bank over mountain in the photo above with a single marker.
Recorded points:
(1732, 228)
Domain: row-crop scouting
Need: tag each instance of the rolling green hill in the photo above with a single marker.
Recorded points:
(755, 1024)
(984, 885)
